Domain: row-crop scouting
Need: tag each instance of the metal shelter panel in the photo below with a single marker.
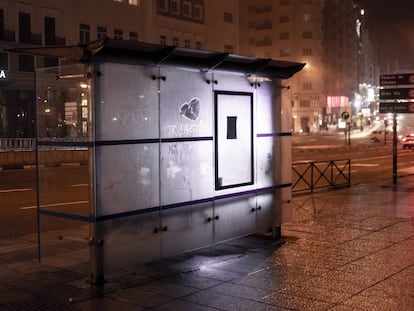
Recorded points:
(126, 102)
(145, 117)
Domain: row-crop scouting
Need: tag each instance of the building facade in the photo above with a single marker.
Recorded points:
(195, 24)
(291, 31)
(329, 36)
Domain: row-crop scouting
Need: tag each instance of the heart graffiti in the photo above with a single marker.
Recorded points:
(191, 110)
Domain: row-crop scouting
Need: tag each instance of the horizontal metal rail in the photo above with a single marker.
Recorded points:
(17, 144)
(310, 176)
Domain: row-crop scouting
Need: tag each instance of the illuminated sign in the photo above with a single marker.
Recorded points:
(2, 74)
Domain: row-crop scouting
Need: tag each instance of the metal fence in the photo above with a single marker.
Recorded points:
(17, 144)
(310, 176)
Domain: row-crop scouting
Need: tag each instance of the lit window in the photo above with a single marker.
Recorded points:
(285, 52)
(307, 86)
(134, 2)
(119, 0)
(306, 17)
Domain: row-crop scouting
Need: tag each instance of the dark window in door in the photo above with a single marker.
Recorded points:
(24, 27)
(50, 32)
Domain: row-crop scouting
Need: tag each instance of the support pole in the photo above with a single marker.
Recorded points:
(394, 150)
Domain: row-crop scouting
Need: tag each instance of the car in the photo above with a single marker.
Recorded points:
(378, 136)
(408, 141)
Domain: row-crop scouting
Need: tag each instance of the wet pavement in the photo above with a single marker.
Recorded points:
(348, 249)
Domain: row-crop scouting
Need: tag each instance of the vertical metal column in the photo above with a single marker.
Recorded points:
(394, 149)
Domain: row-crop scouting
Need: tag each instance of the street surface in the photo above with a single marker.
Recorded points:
(68, 191)
(370, 161)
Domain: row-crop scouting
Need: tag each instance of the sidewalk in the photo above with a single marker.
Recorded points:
(349, 249)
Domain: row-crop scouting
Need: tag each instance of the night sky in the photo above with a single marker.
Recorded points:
(392, 23)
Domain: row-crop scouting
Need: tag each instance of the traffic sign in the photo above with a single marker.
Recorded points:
(394, 93)
(397, 79)
(396, 107)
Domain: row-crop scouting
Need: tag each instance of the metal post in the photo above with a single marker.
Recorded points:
(394, 149)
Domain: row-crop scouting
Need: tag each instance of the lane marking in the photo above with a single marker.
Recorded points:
(54, 204)
(15, 190)
(257, 271)
(365, 164)
(79, 185)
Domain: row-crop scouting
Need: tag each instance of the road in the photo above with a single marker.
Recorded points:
(67, 192)
(68, 186)
(369, 160)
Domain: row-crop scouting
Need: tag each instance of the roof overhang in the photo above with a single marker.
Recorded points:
(171, 56)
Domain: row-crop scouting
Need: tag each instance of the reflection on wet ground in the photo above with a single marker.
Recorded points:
(348, 249)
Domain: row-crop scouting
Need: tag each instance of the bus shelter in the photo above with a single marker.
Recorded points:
(173, 149)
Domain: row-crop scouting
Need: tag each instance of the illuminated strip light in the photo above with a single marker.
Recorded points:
(71, 76)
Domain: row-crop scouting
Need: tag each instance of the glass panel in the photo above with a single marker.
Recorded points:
(234, 139)
(126, 178)
(187, 104)
(63, 125)
(265, 109)
(283, 160)
(186, 171)
(64, 182)
(63, 103)
(127, 104)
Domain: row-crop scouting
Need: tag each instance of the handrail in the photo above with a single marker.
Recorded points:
(310, 176)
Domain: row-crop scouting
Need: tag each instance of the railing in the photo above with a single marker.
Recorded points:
(17, 144)
(310, 176)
